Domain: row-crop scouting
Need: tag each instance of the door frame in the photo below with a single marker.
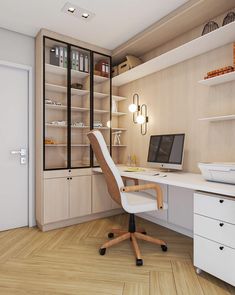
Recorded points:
(31, 140)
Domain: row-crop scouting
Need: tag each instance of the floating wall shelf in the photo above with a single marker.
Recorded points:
(218, 118)
(229, 77)
(200, 45)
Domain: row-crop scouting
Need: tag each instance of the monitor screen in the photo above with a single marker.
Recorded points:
(166, 149)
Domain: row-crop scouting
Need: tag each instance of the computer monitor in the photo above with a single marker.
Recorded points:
(166, 151)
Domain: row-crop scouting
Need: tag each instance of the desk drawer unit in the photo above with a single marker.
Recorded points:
(214, 235)
(215, 258)
(215, 230)
(215, 206)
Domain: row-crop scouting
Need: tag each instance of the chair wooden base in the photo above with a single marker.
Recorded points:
(133, 235)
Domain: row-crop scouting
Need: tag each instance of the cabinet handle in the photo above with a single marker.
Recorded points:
(221, 201)
(221, 224)
(67, 178)
(70, 178)
(221, 248)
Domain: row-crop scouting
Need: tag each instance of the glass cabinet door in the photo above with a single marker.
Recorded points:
(102, 97)
(55, 105)
(80, 107)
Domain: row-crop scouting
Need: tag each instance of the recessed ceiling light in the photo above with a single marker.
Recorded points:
(79, 12)
(85, 15)
(71, 9)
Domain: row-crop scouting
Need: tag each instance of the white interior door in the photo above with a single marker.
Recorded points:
(13, 147)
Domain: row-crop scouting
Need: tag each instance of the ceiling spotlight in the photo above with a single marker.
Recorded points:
(85, 15)
(71, 9)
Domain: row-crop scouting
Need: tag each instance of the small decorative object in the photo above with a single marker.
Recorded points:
(229, 18)
(98, 124)
(78, 124)
(117, 138)
(209, 27)
(76, 86)
(49, 141)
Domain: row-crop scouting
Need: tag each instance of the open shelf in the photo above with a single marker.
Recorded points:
(118, 98)
(200, 45)
(218, 80)
(119, 129)
(100, 79)
(63, 107)
(118, 114)
(218, 118)
(100, 95)
(65, 126)
(63, 71)
(63, 89)
(65, 145)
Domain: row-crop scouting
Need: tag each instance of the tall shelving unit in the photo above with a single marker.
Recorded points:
(70, 101)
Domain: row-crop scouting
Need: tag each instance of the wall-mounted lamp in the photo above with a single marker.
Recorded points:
(135, 107)
(140, 114)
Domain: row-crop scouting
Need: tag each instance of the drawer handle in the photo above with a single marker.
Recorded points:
(221, 248)
(221, 201)
(67, 178)
(221, 224)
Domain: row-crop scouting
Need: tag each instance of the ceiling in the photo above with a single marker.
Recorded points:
(115, 21)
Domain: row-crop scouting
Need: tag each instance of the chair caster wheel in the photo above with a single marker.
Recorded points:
(102, 251)
(139, 262)
(110, 235)
(164, 248)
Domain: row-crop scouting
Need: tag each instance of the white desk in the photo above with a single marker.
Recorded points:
(209, 205)
(187, 180)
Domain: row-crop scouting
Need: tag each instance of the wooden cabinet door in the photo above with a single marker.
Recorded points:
(80, 196)
(56, 199)
(101, 200)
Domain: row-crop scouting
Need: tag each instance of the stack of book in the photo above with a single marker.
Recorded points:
(219, 72)
(79, 60)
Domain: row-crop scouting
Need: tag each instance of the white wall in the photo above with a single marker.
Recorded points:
(20, 49)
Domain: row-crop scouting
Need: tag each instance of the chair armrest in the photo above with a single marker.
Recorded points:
(147, 186)
(125, 178)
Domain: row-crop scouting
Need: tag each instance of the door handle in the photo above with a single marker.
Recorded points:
(21, 152)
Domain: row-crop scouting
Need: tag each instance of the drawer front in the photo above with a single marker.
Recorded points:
(218, 207)
(209, 257)
(215, 230)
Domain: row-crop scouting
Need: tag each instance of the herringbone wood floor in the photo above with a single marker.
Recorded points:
(66, 261)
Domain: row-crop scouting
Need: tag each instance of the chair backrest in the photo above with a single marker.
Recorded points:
(112, 176)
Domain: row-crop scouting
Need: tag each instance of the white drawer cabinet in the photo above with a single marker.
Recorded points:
(215, 206)
(215, 258)
(214, 235)
(215, 230)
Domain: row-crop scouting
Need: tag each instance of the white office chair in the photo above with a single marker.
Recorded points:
(129, 197)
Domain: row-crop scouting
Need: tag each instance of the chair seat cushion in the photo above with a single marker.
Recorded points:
(137, 202)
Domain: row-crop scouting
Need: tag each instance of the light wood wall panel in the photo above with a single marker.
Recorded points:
(176, 101)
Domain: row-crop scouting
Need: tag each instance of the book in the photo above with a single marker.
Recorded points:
(54, 56)
(81, 62)
(77, 61)
(65, 58)
(61, 56)
(86, 64)
(73, 60)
